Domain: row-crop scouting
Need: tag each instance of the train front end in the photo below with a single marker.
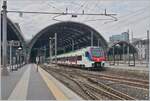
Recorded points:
(97, 57)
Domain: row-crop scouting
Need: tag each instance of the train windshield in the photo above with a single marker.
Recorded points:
(97, 52)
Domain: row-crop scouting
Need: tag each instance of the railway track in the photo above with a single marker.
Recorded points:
(93, 91)
(118, 94)
(107, 91)
(144, 84)
(92, 87)
(90, 95)
(131, 82)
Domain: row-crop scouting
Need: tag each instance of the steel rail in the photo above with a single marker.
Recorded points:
(102, 88)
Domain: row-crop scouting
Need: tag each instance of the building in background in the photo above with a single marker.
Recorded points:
(136, 39)
(122, 37)
(141, 45)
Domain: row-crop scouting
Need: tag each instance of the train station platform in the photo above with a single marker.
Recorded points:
(29, 84)
(137, 67)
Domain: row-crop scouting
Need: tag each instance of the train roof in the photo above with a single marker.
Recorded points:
(76, 52)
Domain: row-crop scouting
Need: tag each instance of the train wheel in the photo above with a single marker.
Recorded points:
(89, 69)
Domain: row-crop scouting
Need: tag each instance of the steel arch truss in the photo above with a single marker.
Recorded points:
(67, 34)
(123, 45)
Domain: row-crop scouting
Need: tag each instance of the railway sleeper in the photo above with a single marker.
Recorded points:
(103, 92)
(111, 90)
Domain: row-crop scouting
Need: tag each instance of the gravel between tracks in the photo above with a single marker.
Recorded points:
(137, 93)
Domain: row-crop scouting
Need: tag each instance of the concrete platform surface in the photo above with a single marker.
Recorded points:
(29, 84)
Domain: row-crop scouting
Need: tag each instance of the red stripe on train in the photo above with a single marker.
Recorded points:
(98, 59)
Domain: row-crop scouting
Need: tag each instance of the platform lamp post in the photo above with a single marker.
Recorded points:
(19, 53)
(22, 58)
(4, 32)
(23, 55)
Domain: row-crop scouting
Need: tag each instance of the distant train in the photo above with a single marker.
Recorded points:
(89, 57)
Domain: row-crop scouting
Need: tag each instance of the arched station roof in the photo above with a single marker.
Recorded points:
(66, 33)
(122, 45)
(13, 32)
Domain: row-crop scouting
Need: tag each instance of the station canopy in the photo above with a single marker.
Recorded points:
(14, 33)
(121, 47)
(70, 35)
(37, 28)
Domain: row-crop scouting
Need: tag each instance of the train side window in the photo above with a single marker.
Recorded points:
(79, 57)
(86, 54)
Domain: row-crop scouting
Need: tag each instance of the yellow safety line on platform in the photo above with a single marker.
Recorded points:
(53, 88)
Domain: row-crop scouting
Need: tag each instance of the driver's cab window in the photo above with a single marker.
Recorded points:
(87, 54)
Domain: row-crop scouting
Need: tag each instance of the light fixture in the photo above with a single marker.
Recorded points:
(19, 48)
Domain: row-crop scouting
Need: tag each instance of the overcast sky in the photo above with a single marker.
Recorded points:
(132, 14)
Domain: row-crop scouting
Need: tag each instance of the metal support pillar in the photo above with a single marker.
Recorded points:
(123, 53)
(64, 49)
(134, 59)
(4, 24)
(91, 38)
(44, 54)
(147, 48)
(72, 45)
(50, 49)
(10, 54)
(118, 58)
(98, 43)
(128, 52)
(16, 67)
(55, 47)
(1, 47)
(19, 58)
(114, 54)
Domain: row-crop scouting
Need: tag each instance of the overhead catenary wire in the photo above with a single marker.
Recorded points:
(87, 9)
(134, 21)
(92, 9)
(81, 5)
(55, 8)
(53, 13)
(63, 13)
(125, 18)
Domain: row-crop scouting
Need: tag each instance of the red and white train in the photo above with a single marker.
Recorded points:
(89, 57)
